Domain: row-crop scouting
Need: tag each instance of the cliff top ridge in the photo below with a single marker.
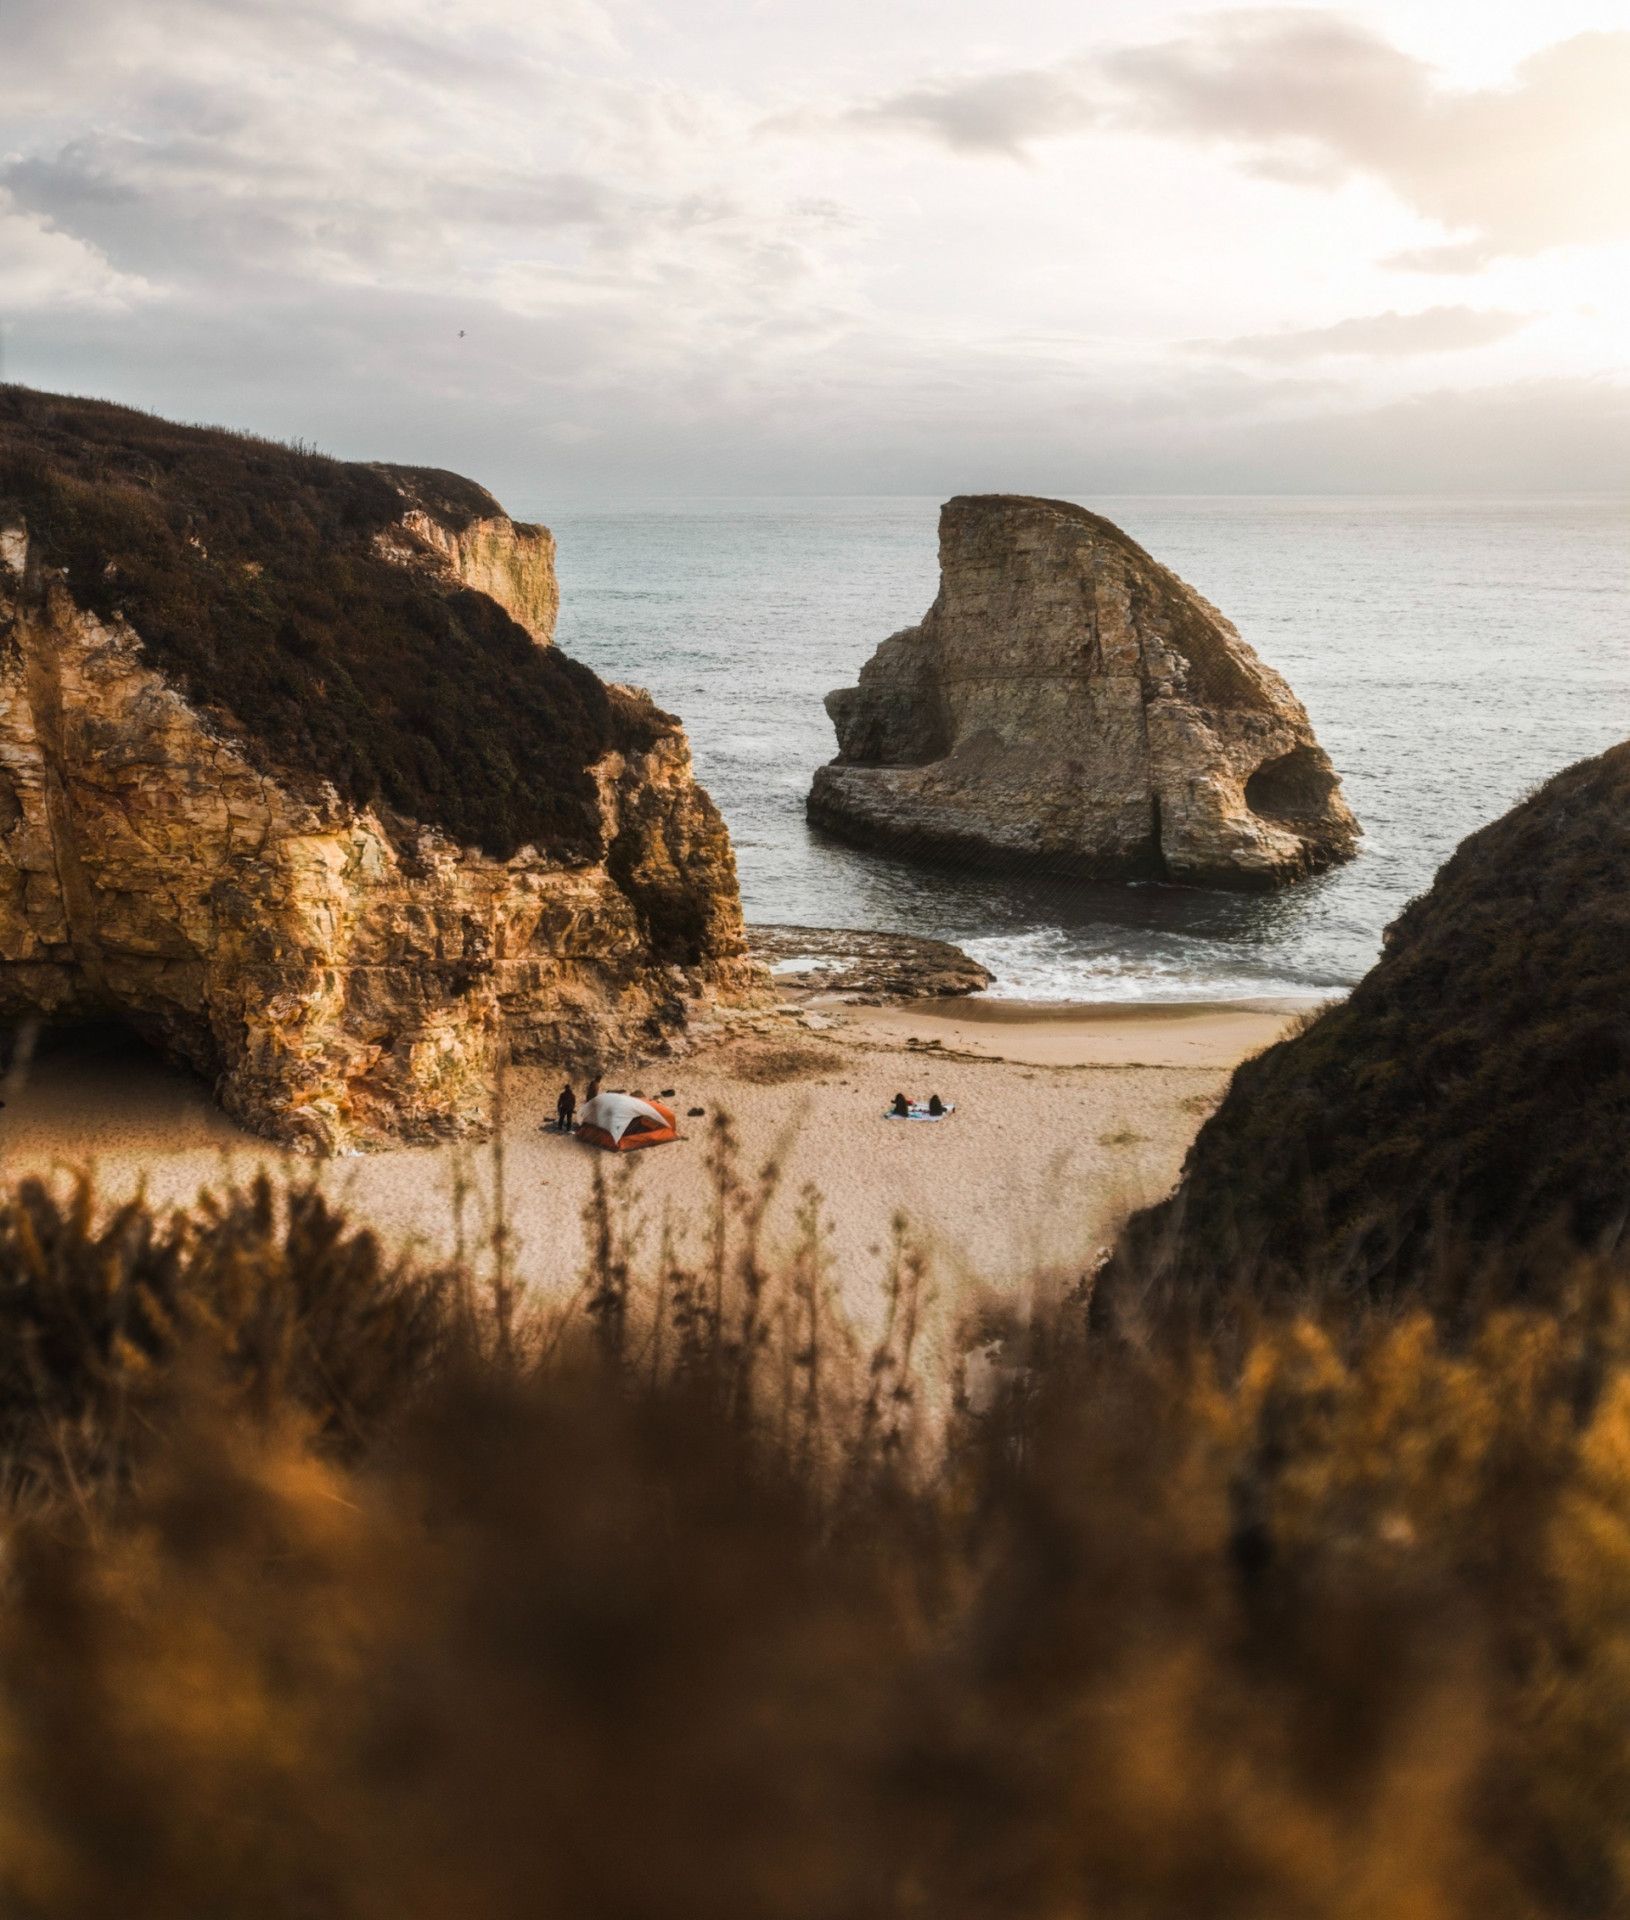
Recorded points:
(280, 589)
(1066, 509)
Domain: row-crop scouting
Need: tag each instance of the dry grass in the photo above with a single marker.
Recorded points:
(362, 1606)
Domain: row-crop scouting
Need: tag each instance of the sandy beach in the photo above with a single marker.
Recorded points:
(1065, 1118)
(1045, 1034)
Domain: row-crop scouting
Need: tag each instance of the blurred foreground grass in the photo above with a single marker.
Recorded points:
(335, 1587)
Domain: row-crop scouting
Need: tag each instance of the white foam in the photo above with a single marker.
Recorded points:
(1046, 965)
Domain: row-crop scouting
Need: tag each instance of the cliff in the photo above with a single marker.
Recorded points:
(1461, 1117)
(292, 781)
(448, 524)
(1069, 706)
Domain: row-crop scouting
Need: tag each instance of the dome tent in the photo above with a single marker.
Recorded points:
(622, 1121)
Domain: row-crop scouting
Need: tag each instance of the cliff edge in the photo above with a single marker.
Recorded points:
(1455, 1126)
(293, 781)
(1069, 706)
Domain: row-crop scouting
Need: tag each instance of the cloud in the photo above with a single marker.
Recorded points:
(1376, 336)
(564, 258)
(1001, 113)
(1557, 435)
(1542, 161)
(596, 398)
(1314, 99)
(242, 151)
(44, 270)
(240, 196)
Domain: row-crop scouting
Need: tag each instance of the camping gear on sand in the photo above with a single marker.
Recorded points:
(620, 1122)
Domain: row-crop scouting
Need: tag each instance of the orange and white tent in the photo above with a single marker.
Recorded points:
(622, 1121)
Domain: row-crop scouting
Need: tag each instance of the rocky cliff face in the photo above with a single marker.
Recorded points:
(306, 914)
(1455, 1127)
(452, 525)
(1069, 706)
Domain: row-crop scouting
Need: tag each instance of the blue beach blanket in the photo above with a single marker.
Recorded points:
(919, 1112)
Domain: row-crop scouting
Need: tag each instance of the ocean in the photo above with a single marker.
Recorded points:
(1452, 653)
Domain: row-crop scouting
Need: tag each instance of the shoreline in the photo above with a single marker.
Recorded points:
(1005, 1007)
(1215, 1034)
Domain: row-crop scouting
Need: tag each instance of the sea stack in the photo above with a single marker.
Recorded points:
(293, 782)
(1069, 706)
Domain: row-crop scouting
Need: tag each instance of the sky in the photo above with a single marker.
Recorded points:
(609, 248)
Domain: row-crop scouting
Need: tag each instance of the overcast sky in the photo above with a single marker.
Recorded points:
(589, 247)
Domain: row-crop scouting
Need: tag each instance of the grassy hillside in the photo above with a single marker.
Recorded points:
(1473, 1092)
(249, 571)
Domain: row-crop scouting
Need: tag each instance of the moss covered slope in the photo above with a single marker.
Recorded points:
(258, 580)
(1472, 1092)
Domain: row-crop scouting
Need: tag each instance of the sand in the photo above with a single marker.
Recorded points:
(1178, 1034)
(1066, 1119)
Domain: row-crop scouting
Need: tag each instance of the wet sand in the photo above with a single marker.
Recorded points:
(1039, 1034)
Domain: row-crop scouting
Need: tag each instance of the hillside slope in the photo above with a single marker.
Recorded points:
(1474, 1090)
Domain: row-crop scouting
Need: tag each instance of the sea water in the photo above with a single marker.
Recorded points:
(1452, 653)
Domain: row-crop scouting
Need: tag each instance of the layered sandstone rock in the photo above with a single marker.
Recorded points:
(344, 969)
(457, 526)
(1069, 706)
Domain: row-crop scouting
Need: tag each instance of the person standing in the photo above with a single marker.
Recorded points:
(566, 1109)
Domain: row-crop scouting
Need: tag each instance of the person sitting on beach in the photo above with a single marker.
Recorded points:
(936, 1106)
(901, 1108)
(566, 1109)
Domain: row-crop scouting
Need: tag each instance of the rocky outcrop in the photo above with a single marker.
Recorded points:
(1069, 706)
(344, 963)
(1459, 1128)
(856, 964)
(454, 524)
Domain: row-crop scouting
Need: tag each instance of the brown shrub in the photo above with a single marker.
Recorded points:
(275, 1292)
(637, 1618)
(1470, 1097)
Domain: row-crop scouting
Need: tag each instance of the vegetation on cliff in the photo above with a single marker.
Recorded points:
(1472, 1093)
(253, 575)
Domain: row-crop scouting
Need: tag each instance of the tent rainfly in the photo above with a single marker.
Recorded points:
(620, 1122)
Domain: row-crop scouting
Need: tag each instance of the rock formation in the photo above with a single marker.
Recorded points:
(1459, 1123)
(856, 964)
(447, 519)
(1069, 706)
(293, 782)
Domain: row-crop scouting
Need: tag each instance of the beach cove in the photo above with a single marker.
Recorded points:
(1067, 1118)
